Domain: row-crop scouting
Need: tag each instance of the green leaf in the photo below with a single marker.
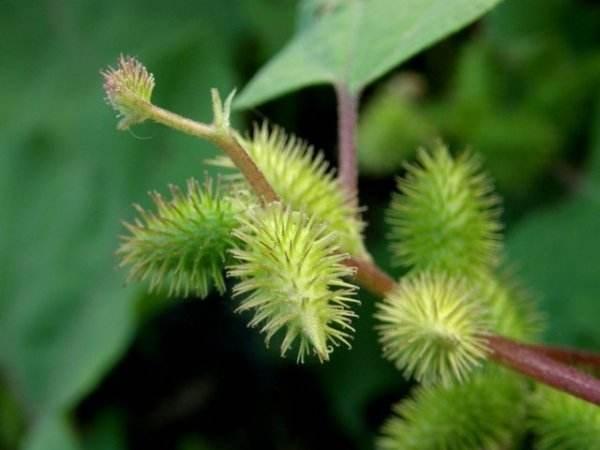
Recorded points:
(67, 180)
(51, 433)
(557, 251)
(358, 43)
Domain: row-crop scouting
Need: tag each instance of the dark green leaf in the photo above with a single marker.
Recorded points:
(557, 252)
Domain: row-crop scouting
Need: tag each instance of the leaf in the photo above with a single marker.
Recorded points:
(358, 43)
(67, 179)
(557, 253)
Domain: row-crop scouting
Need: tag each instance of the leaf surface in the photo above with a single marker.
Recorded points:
(358, 43)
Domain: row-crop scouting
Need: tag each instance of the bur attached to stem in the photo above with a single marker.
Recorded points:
(431, 327)
(446, 215)
(292, 279)
(182, 246)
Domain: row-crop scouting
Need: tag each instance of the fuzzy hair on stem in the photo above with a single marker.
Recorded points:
(292, 279)
(445, 216)
(182, 246)
(430, 326)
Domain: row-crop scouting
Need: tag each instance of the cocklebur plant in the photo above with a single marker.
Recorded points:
(288, 233)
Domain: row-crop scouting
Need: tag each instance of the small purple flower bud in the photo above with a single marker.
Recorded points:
(128, 87)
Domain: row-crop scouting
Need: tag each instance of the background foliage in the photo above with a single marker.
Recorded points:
(87, 363)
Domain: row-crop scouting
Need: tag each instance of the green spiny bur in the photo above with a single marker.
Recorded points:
(304, 181)
(430, 326)
(445, 217)
(485, 413)
(292, 278)
(182, 246)
(563, 422)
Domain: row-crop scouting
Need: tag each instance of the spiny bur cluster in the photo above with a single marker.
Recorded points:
(304, 181)
(288, 260)
(444, 229)
(182, 246)
(433, 325)
(292, 279)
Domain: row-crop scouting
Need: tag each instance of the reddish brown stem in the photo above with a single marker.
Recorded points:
(347, 107)
(568, 355)
(371, 277)
(540, 367)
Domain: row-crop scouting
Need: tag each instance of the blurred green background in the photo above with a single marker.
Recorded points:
(89, 363)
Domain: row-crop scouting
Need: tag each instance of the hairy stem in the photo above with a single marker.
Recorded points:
(531, 362)
(371, 277)
(222, 138)
(568, 355)
(347, 106)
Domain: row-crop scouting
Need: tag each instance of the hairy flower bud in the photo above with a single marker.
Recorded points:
(127, 87)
